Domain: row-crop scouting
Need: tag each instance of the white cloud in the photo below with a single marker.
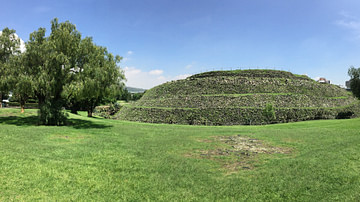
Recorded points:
(130, 52)
(156, 72)
(141, 79)
(131, 71)
(350, 22)
(188, 66)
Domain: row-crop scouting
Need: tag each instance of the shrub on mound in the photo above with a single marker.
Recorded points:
(241, 97)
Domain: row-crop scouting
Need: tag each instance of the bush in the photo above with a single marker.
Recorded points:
(52, 113)
(107, 111)
(345, 115)
(269, 113)
(231, 116)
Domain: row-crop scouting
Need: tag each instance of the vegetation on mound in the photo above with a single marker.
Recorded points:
(250, 73)
(241, 97)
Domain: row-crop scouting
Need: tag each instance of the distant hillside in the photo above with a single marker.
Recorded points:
(135, 90)
(242, 97)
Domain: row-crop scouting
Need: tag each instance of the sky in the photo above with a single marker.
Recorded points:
(164, 40)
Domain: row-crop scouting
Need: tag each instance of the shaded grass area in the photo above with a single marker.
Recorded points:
(14, 117)
(107, 160)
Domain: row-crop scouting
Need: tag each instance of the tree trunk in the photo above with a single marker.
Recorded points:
(41, 100)
(73, 110)
(90, 111)
(22, 105)
(1, 100)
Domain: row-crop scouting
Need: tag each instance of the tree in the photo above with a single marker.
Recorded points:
(354, 74)
(136, 96)
(125, 95)
(68, 70)
(269, 113)
(9, 47)
(97, 77)
(50, 61)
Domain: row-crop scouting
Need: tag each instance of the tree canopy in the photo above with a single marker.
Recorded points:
(97, 76)
(63, 69)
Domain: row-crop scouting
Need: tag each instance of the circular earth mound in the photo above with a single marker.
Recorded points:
(241, 97)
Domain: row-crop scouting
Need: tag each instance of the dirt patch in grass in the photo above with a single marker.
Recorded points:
(237, 152)
(251, 145)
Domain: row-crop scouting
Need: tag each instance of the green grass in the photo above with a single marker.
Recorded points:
(95, 159)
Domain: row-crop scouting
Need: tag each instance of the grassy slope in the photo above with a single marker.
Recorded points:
(98, 159)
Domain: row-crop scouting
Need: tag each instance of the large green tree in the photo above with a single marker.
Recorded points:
(9, 47)
(65, 68)
(354, 74)
(50, 60)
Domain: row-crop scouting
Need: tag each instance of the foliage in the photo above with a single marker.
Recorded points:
(233, 116)
(68, 70)
(107, 111)
(9, 47)
(269, 113)
(240, 97)
(124, 95)
(111, 160)
(21, 81)
(97, 77)
(49, 61)
(51, 113)
(136, 96)
(354, 74)
(127, 96)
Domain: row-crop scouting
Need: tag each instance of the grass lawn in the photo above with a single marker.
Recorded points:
(94, 159)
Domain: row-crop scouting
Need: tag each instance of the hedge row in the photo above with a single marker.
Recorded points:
(234, 116)
(253, 100)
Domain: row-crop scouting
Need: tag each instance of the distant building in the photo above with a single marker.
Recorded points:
(323, 80)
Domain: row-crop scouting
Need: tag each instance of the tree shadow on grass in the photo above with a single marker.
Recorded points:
(83, 124)
(20, 121)
(33, 121)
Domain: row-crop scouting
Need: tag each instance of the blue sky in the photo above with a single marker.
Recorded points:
(163, 40)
